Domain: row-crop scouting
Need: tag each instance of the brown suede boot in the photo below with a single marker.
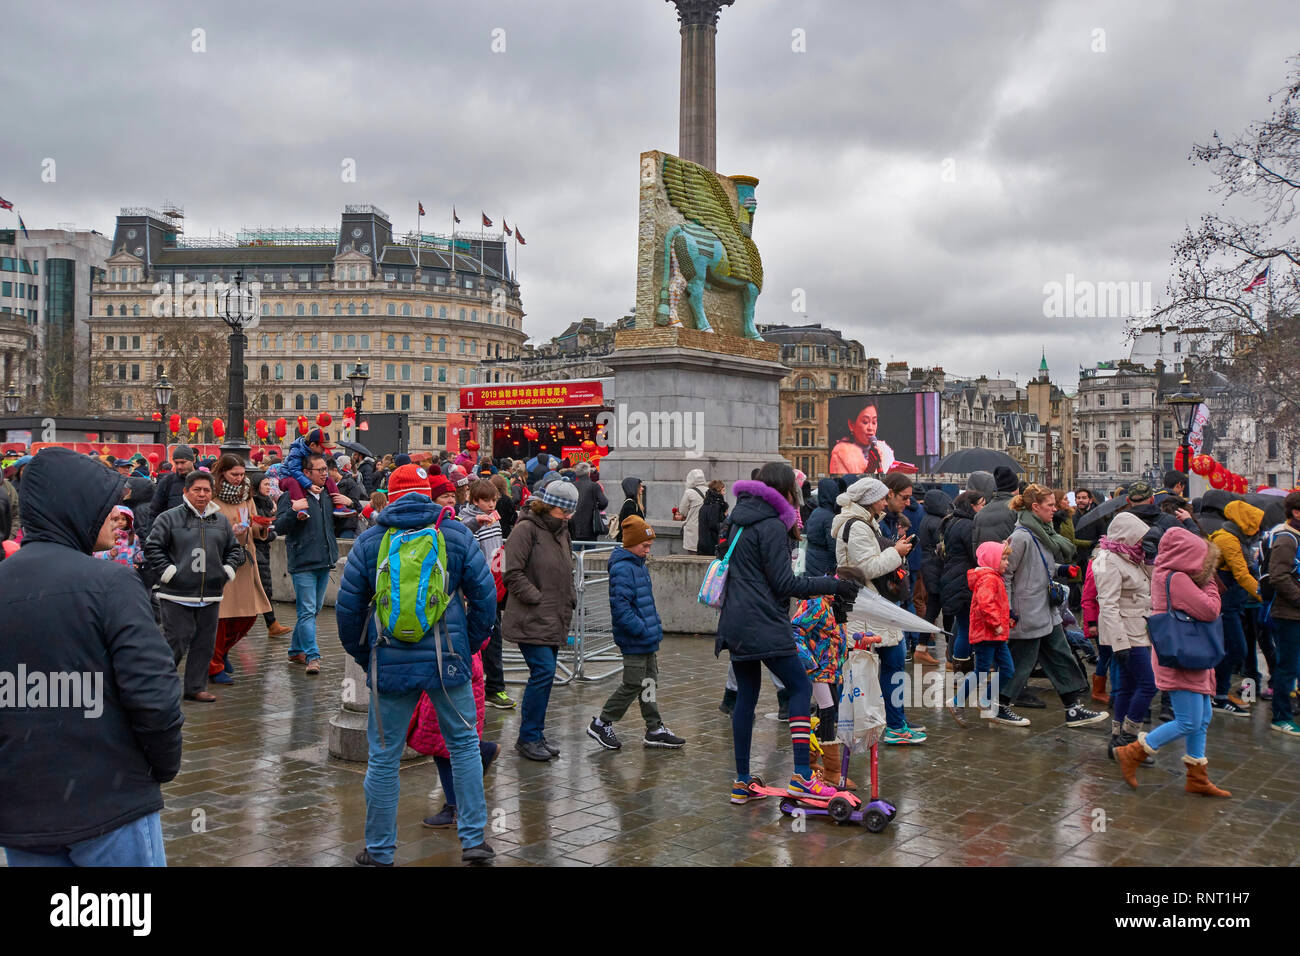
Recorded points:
(1198, 779)
(1099, 689)
(1130, 757)
(922, 655)
(832, 755)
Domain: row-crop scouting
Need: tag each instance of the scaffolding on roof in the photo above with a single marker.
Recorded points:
(287, 236)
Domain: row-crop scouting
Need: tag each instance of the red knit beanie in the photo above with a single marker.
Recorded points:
(440, 484)
(406, 479)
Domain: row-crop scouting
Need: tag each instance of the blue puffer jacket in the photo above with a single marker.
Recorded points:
(470, 614)
(637, 629)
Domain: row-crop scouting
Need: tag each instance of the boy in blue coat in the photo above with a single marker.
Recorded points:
(637, 631)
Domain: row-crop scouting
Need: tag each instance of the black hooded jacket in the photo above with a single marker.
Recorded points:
(631, 503)
(71, 774)
(937, 507)
(959, 557)
(820, 556)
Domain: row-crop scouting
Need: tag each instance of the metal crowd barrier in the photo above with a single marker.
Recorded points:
(590, 647)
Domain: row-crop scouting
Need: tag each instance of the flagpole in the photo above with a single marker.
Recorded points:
(453, 247)
(418, 207)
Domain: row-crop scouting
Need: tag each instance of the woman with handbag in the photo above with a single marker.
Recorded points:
(1123, 588)
(754, 624)
(1183, 581)
(860, 543)
(1037, 566)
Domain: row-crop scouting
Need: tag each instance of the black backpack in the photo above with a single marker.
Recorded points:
(889, 586)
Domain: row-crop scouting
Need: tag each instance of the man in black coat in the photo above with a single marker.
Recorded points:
(81, 767)
(192, 553)
(171, 487)
(996, 521)
(591, 501)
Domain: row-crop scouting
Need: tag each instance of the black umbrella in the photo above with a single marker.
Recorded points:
(1098, 512)
(975, 459)
(357, 447)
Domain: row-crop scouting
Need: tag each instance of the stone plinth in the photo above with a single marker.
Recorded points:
(712, 410)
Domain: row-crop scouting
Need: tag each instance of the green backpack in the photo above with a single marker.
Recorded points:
(411, 586)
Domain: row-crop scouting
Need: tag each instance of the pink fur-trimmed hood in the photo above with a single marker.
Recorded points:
(769, 496)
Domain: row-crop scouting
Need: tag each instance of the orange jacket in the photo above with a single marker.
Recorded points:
(990, 611)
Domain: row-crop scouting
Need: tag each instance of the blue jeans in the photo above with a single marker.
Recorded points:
(1234, 646)
(309, 596)
(138, 843)
(457, 719)
(893, 678)
(1135, 685)
(988, 655)
(1103, 659)
(540, 659)
(1192, 713)
(1288, 662)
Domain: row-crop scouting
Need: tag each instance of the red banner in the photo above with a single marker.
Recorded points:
(576, 453)
(523, 397)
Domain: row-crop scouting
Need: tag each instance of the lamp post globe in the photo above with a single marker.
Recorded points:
(11, 400)
(1184, 404)
(358, 378)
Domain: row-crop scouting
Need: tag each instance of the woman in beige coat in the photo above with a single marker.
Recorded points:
(243, 598)
(1123, 583)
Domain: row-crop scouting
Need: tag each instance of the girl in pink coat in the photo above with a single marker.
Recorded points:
(423, 735)
(1187, 563)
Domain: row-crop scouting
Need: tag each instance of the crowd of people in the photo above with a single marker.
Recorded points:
(453, 557)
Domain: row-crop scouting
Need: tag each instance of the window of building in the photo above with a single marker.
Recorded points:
(108, 340)
(406, 403)
(135, 309)
(442, 345)
(835, 380)
(1272, 446)
(390, 402)
(365, 308)
(1101, 398)
(121, 342)
(442, 373)
(299, 373)
(1101, 429)
(1166, 429)
(442, 434)
(390, 373)
(279, 308)
(1123, 398)
(406, 309)
(462, 315)
(301, 310)
(392, 310)
(279, 371)
(314, 404)
(352, 341)
(1271, 479)
(442, 311)
(121, 373)
(460, 376)
(428, 343)
(315, 372)
(1125, 462)
(338, 308)
(297, 341)
(338, 371)
(406, 373)
(806, 383)
(428, 311)
(365, 341)
(315, 308)
(406, 343)
(338, 341)
(428, 404)
(1125, 429)
(442, 404)
(298, 404)
(428, 373)
(279, 403)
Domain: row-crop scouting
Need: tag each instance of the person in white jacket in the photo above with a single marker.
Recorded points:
(857, 536)
(688, 509)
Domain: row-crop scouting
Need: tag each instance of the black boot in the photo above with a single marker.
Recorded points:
(728, 702)
(782, 705)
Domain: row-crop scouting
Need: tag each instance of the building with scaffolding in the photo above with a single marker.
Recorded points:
(422, 312)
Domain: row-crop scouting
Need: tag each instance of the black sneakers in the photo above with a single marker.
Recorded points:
(663, 737)
(478, 854)
(603, 734)
(1080, 716)
(553, 750)
(365, 859)
(533, 750)
(1006, 715)
(444, 818)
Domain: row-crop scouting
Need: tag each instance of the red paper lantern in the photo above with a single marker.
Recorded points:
(1178, 460)
(281, 428)
(153, 457)
(1203, 465)
(349, 412)
(263, 431)
(193, 424)
(157, 416)
(218, 428)
(588, 445)
(1218, 477)
(304, 426)
(324, 419)
(471, 445)
(174, 424)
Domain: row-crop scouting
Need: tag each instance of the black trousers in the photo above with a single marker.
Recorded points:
(191, 631)
(494, 673)
(1053, 652)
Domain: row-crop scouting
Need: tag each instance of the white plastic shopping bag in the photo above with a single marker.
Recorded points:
(862, 708)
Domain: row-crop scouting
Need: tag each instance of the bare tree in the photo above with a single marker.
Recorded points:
(1217, 263)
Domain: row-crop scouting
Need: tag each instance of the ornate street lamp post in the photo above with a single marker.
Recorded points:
(238, 309)
(11, 400)
(357, 379)
(162, 394)
(1184, 403)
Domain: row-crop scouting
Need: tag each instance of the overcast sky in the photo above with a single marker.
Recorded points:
(924, 168)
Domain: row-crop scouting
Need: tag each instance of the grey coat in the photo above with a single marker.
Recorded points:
(996, 520)
(1027, 584)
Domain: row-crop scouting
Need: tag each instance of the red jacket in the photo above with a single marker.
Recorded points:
(990, 611)
(1091, 609)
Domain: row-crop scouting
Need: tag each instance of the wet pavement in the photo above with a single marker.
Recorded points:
(257, 787)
